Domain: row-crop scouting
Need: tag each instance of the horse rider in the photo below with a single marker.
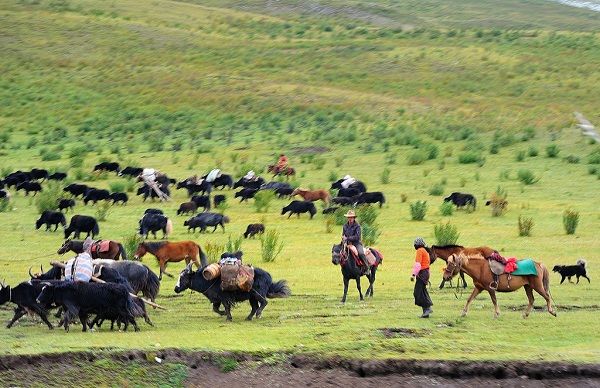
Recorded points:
(282, 163)
(80, 268)
(351, 235)
(421, 274)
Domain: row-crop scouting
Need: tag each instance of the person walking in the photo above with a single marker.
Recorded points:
(420, 275)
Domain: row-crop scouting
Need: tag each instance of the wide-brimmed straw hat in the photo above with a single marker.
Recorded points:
(350, 214)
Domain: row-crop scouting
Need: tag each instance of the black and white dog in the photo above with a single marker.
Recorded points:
(568, 271)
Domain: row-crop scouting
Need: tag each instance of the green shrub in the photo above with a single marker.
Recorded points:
(594, 157)
(525, 226)
(552, 151)
(117, 187)
(332, 176)
(366, 214)
(319, 163)
(130, 244)
(445, 234)
(49, 155)
(494, 148)
(48, 198)
(102, 210)
(498, 202)
(262, 200)
(338, 216)
(403, 198)
(270, 245)
(437, 189)
(592, 170)
(130, 185)
(338, 161)
(446, 209)
(469, 157)
(416, 158)
(235, 244)
(385, 176)
(532, 152)
(432, 151)
(572, 159)
(418, 210)
(369, 233)
(527, 177)
(570, 221)
(213, 251)
(520, 156)
(222, 207)
(5, 205)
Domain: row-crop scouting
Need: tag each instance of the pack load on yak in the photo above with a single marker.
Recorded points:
(347, 181)
(234, 275)
(212, 175)
(149, 176)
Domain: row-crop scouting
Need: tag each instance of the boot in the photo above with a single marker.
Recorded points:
(426, 312)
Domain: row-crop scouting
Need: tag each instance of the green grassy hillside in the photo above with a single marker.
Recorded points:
(185, 87)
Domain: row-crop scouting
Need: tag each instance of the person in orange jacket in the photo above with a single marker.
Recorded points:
(421, 274)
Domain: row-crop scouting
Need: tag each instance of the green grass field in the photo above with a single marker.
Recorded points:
(185, 87)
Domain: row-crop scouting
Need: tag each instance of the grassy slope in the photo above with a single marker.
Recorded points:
(110, 61)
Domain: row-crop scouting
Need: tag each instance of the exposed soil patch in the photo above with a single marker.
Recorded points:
(310, 150)
(391, 332)
(280, 370)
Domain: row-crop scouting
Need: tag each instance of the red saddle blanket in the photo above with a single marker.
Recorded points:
(374, 257)
(100, 246)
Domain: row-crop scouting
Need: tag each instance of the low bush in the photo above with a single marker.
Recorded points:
(117, 187)
(262, 200)
(130, 244)
(469, 157)
(416, 158)
(437, 189)
(532, 152)
(5, 205)
(48, 198)
(213, 251)
(525, 226)
(446, 209)
(552, 151)
(102, 210)
(572, 159)
(446, 234)
(520, 156)
(369, 233)
(234, 245)
(570, 221)
(385, 176)
(594, 157)
(270, 245)
(527, 177)
(498, 202)
(418, 210)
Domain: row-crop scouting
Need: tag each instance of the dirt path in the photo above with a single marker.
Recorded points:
(242, 370)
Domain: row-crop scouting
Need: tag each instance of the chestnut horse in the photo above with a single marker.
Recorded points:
(287, 171)
(444, 251)
(115, 249)
(312, 195)
(478, 268)
(166, 252)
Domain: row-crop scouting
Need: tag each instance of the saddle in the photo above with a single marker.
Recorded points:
(371, 258)
(100, 246)
(236, 276)
(499, 266)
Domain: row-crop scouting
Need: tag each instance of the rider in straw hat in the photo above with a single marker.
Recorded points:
(351, 235)
(421, 274)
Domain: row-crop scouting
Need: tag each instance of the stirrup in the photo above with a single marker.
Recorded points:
(493, 285)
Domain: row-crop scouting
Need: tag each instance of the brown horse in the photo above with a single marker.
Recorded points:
(478, 268)
(312, 195)
(287, 171)
(172, 252)
(114, 249)
(444, 251)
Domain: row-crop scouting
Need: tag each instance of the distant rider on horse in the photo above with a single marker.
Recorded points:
(351, 235)
(282, 164)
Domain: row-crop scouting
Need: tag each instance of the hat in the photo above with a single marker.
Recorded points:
(350, 214)
(419, 242)
(87, 244)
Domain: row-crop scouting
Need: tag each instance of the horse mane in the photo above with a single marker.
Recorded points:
(152, 247)
(446, 246)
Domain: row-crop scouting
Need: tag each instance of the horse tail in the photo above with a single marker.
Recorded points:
(122, 252)
(279, 289)
(169, 227)
(545, 278)
(203, 259)
(151, 286)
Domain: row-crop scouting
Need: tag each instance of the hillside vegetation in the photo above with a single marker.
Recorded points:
(417, 99)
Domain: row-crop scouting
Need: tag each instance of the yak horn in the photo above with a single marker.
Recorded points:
(41, 268)
(30, 274)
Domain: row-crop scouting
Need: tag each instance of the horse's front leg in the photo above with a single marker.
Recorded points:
(346, 280)
(529, 293)
(358, 288)
(462, 276)
(495, 302)
(442, 284)
(476, 291)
